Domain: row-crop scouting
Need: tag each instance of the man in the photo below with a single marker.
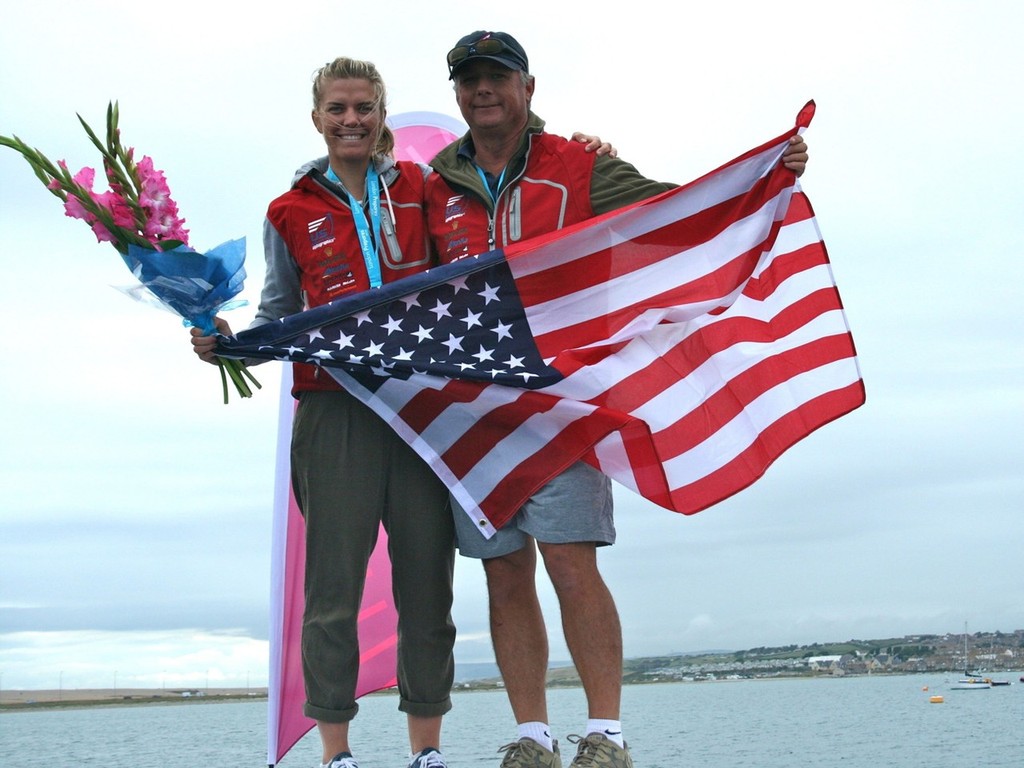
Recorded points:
(507, 180)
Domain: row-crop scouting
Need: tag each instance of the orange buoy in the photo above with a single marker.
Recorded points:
(936, 699)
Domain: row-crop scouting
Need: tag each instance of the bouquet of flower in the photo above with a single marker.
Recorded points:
(138, 217)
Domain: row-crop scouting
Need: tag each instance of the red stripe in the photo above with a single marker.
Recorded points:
(533, 472)
(695, 350)
(608, 264)
(719, 409)
(421, 409)
(708, 287)
(754, 462)
(493, 427)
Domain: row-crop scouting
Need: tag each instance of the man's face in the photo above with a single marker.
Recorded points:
(492, 96)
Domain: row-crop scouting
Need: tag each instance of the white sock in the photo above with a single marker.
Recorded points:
(610, 728)
(539, 732)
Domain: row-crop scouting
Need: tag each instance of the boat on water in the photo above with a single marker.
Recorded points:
(971, 681)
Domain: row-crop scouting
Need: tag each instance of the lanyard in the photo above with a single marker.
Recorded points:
(492, 192)
(367, 237)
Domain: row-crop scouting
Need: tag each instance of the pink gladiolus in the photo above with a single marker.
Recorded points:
(73, 208)
(119, 209)
(161, 211)
(102, 233)
(85, 178)
(165, 226)
(154, 193)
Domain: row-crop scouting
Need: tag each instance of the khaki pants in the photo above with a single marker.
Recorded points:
(350, 473)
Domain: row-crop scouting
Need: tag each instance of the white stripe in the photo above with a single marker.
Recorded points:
(725, 184)
(741, 432)
(684, 267)
(613, 461)
(706, 381)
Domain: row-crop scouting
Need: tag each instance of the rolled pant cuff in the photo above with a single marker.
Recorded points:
(420, 709)
(329, 715)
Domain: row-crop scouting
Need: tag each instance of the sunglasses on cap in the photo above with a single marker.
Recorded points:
(490, 46)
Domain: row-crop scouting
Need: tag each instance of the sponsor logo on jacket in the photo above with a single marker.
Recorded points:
(321, 231)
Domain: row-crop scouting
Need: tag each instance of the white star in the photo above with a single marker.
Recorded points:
(412, 300)
(392, 325)
(403, 355)
(315, 334)
(514, 362)
(323, 354)
(422, 334)
(502, 330)
(471, 319)
(467, 366)
(459, 284)
(441, 310)
(489, 293)
(526, 375)
(484, 354)
(453, 343)
(362, 317)
(293, 350)
(374, 349)
(495, 372)
(344, 340)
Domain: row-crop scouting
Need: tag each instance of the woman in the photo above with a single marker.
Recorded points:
(352, 221)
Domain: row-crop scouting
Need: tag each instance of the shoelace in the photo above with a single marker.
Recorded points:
(510, 751)
(343, 762)
(513, 750)
(431, 759)
(586, 752)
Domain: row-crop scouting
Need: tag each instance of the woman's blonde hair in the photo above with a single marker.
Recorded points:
(343, 68)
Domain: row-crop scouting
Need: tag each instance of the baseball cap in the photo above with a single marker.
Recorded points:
(496, 46)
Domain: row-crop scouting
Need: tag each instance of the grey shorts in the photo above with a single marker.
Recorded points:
(575, 506)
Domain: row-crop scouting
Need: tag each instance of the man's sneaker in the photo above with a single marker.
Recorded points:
(527, 753)
(598, 751)
(341, 760)
(428, 758)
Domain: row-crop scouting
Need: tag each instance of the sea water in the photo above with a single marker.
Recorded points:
(853, 722)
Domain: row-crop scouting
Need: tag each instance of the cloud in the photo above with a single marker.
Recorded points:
(181, 658)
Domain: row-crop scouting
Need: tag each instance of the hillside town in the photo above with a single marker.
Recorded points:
(995, 653)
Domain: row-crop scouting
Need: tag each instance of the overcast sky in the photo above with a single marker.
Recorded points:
(135, 508)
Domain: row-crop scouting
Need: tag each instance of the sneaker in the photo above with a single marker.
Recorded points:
(598, 751)
(428, 758)
(527, 753)
(341, 760)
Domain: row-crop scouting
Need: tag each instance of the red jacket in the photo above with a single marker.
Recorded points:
(310, 232)
(549, 189)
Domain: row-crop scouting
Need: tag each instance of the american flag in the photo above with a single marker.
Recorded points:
(680, 345)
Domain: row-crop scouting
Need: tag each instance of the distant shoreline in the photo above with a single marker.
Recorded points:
(110, 697)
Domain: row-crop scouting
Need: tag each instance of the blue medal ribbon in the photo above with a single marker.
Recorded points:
(368, 238)
(492, 191)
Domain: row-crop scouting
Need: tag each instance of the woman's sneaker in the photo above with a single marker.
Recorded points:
(341, 760)
(598, 751)
(428, 758)
(527, 753)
